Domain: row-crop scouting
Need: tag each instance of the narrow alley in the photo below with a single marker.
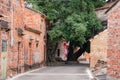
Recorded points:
(59, 39)
(66, 72)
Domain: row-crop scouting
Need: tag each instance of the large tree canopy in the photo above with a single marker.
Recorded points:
(72, 20)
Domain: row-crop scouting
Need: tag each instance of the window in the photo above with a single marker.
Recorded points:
(58, 53)
(4, 23)
(30, 44)
(37, 46)
(4, 45)
(41, 23)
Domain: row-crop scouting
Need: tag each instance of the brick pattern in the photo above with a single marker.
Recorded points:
(114, 44)
(17, 57)
(4, 35)
(5, 8)
(98, 48)
(25, 50)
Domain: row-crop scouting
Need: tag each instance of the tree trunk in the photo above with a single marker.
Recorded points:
(51, 53)
(70, 56)
(74, 56)
(51, 49)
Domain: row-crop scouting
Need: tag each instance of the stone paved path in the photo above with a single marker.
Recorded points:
(67, 72)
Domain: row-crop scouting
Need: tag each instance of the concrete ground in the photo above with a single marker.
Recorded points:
(66, 72)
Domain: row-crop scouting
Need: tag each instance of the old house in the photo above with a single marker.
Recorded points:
(113, 51)
(105, 45)
(98, 47)
(5, 25)
(100, 52)
(23, 38)
(62, 51)
(34, 37)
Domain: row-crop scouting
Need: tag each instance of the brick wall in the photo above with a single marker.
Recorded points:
(114, 44)
(26, 38)
(5, 9)
(98, 48)
(4, 34)
(17, 55)
(28, 49)
(36, 21)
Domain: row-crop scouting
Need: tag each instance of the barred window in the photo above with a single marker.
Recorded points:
(37, 47)
(4, 45)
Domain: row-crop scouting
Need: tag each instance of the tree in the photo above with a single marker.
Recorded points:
(99, 3)
(72, 20)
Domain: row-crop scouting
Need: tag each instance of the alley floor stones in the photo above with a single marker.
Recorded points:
(66, 72)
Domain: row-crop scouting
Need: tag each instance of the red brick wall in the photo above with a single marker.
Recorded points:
(17, 54)
(114, 44)
(6, 13)
(98, 48)
(35, 21)
(20, 55)
(5, 9)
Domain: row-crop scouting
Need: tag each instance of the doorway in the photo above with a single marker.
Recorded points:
(4, 59)
(30, 55)
(19, 53)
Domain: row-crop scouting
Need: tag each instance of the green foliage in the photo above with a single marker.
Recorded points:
(72, 20)
(75, 29)
(98, 3)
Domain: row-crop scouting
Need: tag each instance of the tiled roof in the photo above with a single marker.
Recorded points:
(112, 6)
(107, 6)
(101, 12)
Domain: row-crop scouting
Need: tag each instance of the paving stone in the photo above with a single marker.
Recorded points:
(67, 72)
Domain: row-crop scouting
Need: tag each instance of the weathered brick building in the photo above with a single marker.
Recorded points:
(114, 42)
(23, 38)
(100, 52)
(98, 47)
(5, 24)
(108, 41)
